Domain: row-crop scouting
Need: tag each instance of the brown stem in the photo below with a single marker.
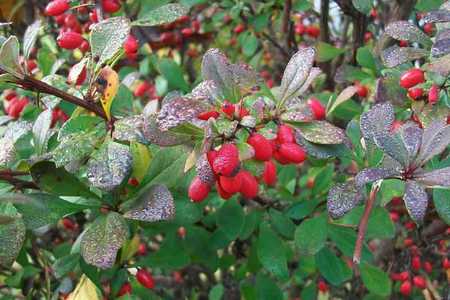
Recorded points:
(325, 37)
(286, 26)
(362, 227)
(13, 173)
(18, 183)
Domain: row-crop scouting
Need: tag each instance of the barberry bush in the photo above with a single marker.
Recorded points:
(192, 149)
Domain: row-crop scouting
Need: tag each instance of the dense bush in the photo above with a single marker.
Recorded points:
(224, 149)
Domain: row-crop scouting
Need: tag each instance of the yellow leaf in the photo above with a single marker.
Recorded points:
(85, 289)
(130, 248)
(107, 85)
(142, 158)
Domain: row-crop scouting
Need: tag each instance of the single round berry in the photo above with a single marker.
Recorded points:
(249, 187)
(198, 190)
(142, 249)
(285, 134)
(415, 93)
(433, 94)
(270, 173)
(362, 90)
(419, 282)
(69, 224)
(56, 7)
(313, 31)
(428, 28)
(208, 114)
(231, 185)
(322, 286)
(145, 278)
(412, 78)
(187, 32)
(228, 108)
(141, 89)
(222, 193)
(16, 106)
(416, 264)
(70, 40)
(239, 28)
(111, 6)
(131, 45)
(317, 108)
(428, 267)
(227, 160)
(261, 145)
(292, 152)
(405, 288)
(125, 289)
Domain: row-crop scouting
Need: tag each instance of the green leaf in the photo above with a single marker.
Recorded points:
(12, 235)
(173, 73)
(216, 292)
(9, 57)
(311, 235)
(65, 265)
(74, 148)
(272, 258)
(123, 106)
(375, 280)
(107, 38)
(363, 6)
(326, 52)
(79, 124)
(58, 181)
(30, 37)
(171, 255)
(161, 15)
(41, 129)
(321, 132)
(101, 241)
(345, 239)
(230, 219)
(365, 58)
(39, 209)
(441, 202)
(282, 224)
(267, 289)
(332, 268)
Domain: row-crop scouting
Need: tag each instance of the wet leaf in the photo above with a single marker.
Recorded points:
(388, 89)
(342, 198)
(395, 55)
(9, 57)
(154, 135)
(403, 30)
(435, 178)
(370, 175)
(107, 38)
(320, 151)
(179, 111)
(377, 121)
(130, 129)
(101, 241)
(109, 166)
(295, 102)
(12, 235)
(435, 139)
(296, 73)
(416, 200)
(411, 135)
(393, 146)
(155, 204)
(272, 258)
(437, 16)
(441, 44)
(204, 171)
(311, 235)
(440, 65)
(345, 95)
(441, 203)
(321, 132)
(76, 70)
(7, 151)
(206, 90)
(161, 15)
(73, 147)
(298, 115)
(41, 130)
(30, 37)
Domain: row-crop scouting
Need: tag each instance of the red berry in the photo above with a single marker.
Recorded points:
(31, 65)
(368, 36)
(125, 289)
(60, 19)
(167, 38)
(419, 282)
(446, 263)
(362, 91)
(411, 78)
(141, 89)
(69, 224)
(133, 181)
(16, 107)
(227, 160)
(9, 94)
(408, 242)
(405, 288)
(243, 112)
(181, 231)
(270, 173)
(310, 183)
(373, 13)
(280, 158)
(78, 79)
(317, 108)
(222, 193)
(85, 46)
(403, 276)
(230, 185)
(183, 19)
(322, 286)
(416, 263)
(428, 267)
(249, 187)
(56, 7)
(312, 31)
(403, 43)
(415, 93)
(187, 32)
(299, 29)
(142, 249)
(131, 45)
(285, 134)
(239, 28)
(292, 152)
(110, 6)
(394, 216)
(93, 16)
(433, 94)
(261, 145)
(208, 114)
(198, 190)
(70, 40)
(211, 155)
(195, 25)
(428, 28)
(145, 278)
(71, 21)
(228, 108)
(227, 19)
(410, 225)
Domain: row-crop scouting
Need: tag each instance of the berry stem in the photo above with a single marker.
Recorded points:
(362, 227)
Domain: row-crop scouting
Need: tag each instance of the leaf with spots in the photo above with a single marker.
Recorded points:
(178, 111)
(109, 166)
(435, 178)
(435, 139)
(130, 129)
(370, 175)
(321, 132)
(377, 121)
(109, 86)
(12, 235)
(342, 198)
(153, 204)
(102, 239)
(73, 148)
(164, 14)
(416, 200)
(153, 134)
(395, 55)
(437, 16)
(404, 30)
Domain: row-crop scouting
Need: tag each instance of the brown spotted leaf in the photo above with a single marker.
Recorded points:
(416, 200)
(155, 204)
(411, 135)
(102, 239)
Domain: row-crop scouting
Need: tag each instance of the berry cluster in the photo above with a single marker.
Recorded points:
(411, 80)
(304, 26)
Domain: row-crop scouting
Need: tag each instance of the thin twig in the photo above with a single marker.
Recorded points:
(18, 183)
(362, 227)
